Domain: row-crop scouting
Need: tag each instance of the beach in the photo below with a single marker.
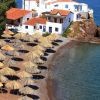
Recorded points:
(26, 64)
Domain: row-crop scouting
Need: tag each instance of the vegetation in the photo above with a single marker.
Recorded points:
(4, 6)
(46, 34)
(66, 32)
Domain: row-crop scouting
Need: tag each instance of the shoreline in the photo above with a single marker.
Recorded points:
(49, 64)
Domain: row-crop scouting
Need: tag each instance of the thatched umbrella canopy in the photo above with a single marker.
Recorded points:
(29, 64)
(2, 57)
(7, 71)
(9, 62)
(25, 98)
(13, 85)
(21, 47)
(8, 32)
(53, 37)
(33, 70)
(28, 38)
(6, 35)
(38, 61)
(1, 65)
(36, 36)
(2, 43)
(13, 53)
(3, 78)
(38, 47)
(27, 81)
(20, 35)
(7, 48)
(46, 44)
(43, 39)
(31, 56)
(1, 84)
(38, 52)
(24, 74)
(26, 90)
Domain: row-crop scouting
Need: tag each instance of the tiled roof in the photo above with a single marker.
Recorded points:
(15, 13)
(61, 12)
(34, 21)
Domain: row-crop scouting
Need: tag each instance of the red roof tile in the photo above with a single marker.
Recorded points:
(34, 21)
(15, 13)
(61, 12)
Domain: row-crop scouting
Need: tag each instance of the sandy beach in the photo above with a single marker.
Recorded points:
(44, 83)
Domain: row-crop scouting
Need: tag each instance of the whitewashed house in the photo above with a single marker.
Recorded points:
(33, 25)
(16, 17)
(58, 20)
(80, 10)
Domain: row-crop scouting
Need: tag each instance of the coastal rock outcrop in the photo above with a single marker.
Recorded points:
(85, 30)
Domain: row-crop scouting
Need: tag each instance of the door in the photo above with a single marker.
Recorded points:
(50, 29)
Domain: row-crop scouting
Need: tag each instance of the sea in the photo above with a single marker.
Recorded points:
(94, 4)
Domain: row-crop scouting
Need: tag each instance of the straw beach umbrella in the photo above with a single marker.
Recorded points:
(38, 52)
(1, 65)
(38, 61)
(27, 81)
(13, 85)
(7, 71)
(26, 90)
(2, 57)
(25, 98)
(33, 70)
(2, 43)
(9, 62)
(29, 64)
(6, 36)
(38, 47)
(8, 32)
(1, 84)
(7, 48)
(3, 78)
(20, 35)
(36, 36)
(24, 74)
(31, 56)
(46, 44)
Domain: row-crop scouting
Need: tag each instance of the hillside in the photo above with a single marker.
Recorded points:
(85, 30)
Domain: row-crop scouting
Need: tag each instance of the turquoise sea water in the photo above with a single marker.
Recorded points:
(76, 72)
(94, 4)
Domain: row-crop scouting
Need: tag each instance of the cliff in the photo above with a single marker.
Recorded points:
(85, 30)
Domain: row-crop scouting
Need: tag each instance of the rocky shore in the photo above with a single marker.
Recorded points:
(85, 31)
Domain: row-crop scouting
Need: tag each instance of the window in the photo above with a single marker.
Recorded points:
(50, 29)
(56, 5)
(69, 20)
(40, 27)
(26, 27)
(55, 20)
(49, 18)
(34, 27)
(56, 29)
(27, 18)
(61, 20)
(44, 28)
(66, 6)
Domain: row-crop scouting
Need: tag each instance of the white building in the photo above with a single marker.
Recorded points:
(55, 21)
(58, 20)
(16, 17)
(80, 10)
(33, 25)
